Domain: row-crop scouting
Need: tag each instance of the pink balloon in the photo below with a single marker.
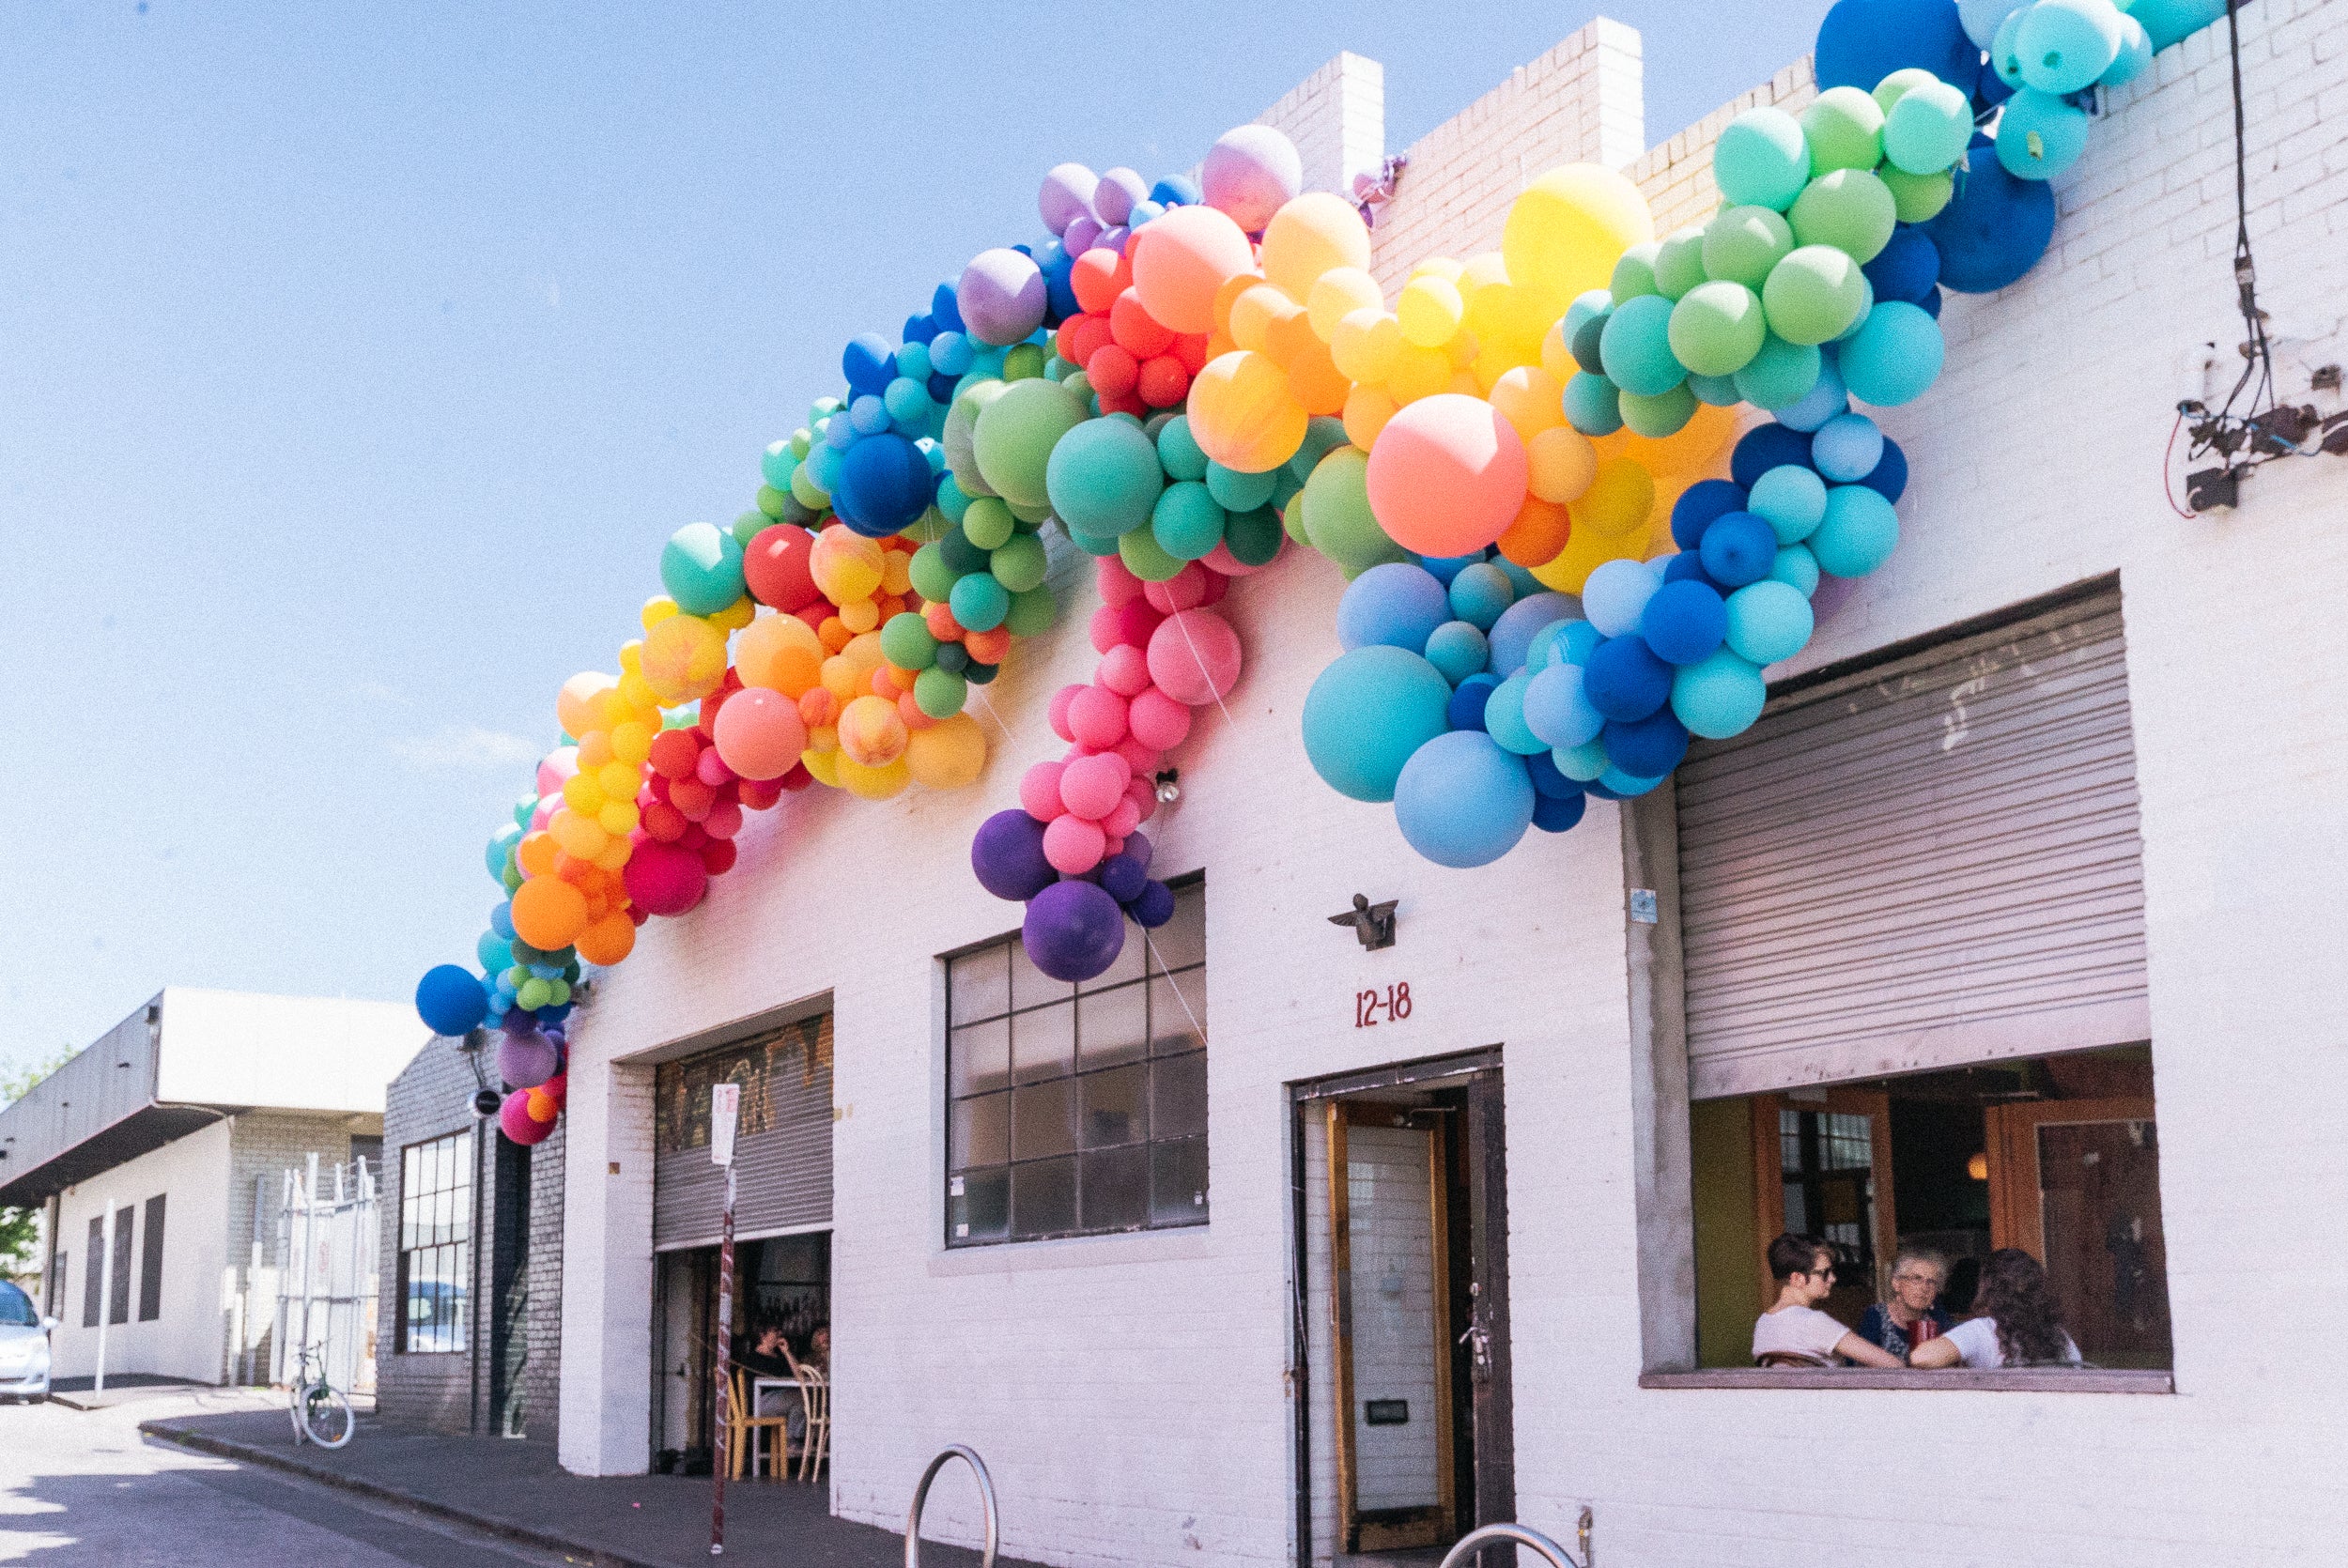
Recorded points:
(1112, 846)
(1039, 791)
(1143, 795)
(1124, 670)
(559, 764)
(1185, 589)
(1119, 586)
(1217, 586)
(1140, 761)
(724, 819)
(1446, 476)
(1091, 787)
(1123, 821)
(1073, 846)
(711, 768)
(1103, 627)
(1157, 720)
(1060, 699)
(1195, 656)
(514, 1120)
(1096, 717)
(1135, 621)
(544, 811)
(759, 734)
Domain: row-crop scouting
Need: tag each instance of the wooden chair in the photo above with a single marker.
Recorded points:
(742, 1424)
(1791, 1358)
(815, 1440)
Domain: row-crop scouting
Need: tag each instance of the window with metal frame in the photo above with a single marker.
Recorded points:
(435, 1242)
(1078, 1110)
(151, 1261)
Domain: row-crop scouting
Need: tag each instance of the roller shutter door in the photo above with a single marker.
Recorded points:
(783, 1147)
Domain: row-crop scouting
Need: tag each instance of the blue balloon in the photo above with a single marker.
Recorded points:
(1122, 877)
(1577, 642)
(1465, 710)
(1462, 801)
(1931, 303)
(451, 1001)
(1769, 621)
(1367, 713)
(1479, 594)
(1447, 567)
(1648, 747)
(1740, 548)
(1889, 477)
(882, 483)
(1458, 650)
(1994, 229)
(1895, 359)
(1175, 190)
(1863, 41)
(1699, 504)
(1859, 533)
(1397, 604)
(1617, 594)
(869, 363)
(943, 309)
(1683, 623)
(1557, 710)
(1557, 813)
(1623, 680)
(950, 354)
(1512, 634)
(1847, 449)
(1764, 447)
(1825, 399)
(1546, 781)
(1906, 267)
(920, 329)
(1687, 566)
(1721, 697)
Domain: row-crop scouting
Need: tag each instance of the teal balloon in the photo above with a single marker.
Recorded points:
(1458, 650)
(2041, 135)
(1928, 128)
(979, 602)
(2136, 55)
(1368, 713)
(500, 852)
(1719, 392)
(1462, 800)
(1188, 524)
(2064, 45)
(1894, 357)
(1582, 763)
(494, 952)
(1859, 533)
(1791, 499)
(2167, 21)
(1235, 491)
(1636, 347)
(1655, 418)
(1769, 621)
(1179, 449)
(1103, 477)
(701, 566)
(1592, 404)
(1779, 375)
(1761, 160)
(1323, 436)
(1720, 697)
(1504, 718)
(1795, 565)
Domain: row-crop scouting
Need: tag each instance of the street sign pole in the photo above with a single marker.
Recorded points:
(725, 1109)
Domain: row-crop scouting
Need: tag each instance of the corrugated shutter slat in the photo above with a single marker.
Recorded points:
(782, 1174)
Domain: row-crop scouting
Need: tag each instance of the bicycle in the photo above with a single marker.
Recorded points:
(320, 1413)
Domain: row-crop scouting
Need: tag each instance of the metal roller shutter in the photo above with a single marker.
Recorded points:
(1930, 863)
(781, 1155)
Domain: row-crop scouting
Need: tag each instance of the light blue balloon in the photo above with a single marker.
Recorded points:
(2040, 135)
(1462, 800)
(1769, 621)
(1540, 652)
(1720, 697)
(1825, 399)
(1582, 763)
(1479, 594)
(1576, 642)
(1504, 716)
(1557, 711)
(1512, 634)
(501, 920)
(1457, 649)
(501, 849)
(1791, 499)
(1396, 604)
(823, 465)
(1859, 533)
(1617, 594)
(2170, 20)
(1368, 713)
(1847, 449)
(1982, 17)
(1797, 566)
(1896, 356)
(1625, 785)
(949, 354)
(2066, 45)
(2136, 55)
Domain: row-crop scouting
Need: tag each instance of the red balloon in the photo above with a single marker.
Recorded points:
(775, 567)
(1164, 381)
(665, 880)
(1080, 336)
(1112, 369)
(674, 752)
(1133, 328)
(718, 856)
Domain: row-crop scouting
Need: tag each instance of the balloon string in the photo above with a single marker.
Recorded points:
(1197, 1030)
(1207, 675)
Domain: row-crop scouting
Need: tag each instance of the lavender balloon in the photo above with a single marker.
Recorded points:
(1074, 931)
(1002, 296)
(1082, 234)
(1115, 197)
(1066, 195)
(1250, 173)
(1007, 854)
(527, 1061)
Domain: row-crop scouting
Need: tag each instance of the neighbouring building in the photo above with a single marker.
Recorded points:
(160, 1156)
(2014, 922)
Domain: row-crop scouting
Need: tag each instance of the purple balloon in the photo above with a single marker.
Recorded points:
(527, 1061)
(1114, 198)
(1082, 234)
(1249, 174)
(1002, 296)
(1121, 878)
(1008, 856)
(1138, 846)
(1155, 906)
(1074, 931)
(1066, 196)
(1831, 594)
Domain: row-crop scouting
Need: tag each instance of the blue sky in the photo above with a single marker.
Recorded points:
(355, 361)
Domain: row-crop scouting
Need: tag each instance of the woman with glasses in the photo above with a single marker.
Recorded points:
(1913, 1314)
(1794, 1333)
(2015, 1322)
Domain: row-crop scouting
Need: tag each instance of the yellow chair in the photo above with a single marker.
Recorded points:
(743, 1422)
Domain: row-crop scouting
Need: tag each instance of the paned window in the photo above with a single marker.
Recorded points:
(1076, 1110)
(435, 1241)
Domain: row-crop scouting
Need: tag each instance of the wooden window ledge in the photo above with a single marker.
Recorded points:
(2019, 1380)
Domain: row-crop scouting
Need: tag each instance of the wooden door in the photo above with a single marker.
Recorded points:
(2077, 1185)
(1490, 1366)
(1852, 1297)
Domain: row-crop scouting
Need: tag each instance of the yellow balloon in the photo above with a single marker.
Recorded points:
(844, 680)
(1366, 410)
(656, 609)
(1478, 280)
(1429, 310)
(1619, 501)
(1585, 551)
(579, 834)
(618, 817)
(872, 783)
(1567, 228)
(582, 792)
(684, 658)
(1418, 373)
(1242, 414)
(822, 765)
(1438, 267)
(1529, 398)
(615, 854)
(631, 742)
(639, 694)
(780, 653)
(1365, 345)
(619, 781)
(1562, 463)
(1336, 293)
(948, 754)
(1255, 313)
(1556, 357)
(844, 565)
(579, 704)
(1316, 233)
(737, 615)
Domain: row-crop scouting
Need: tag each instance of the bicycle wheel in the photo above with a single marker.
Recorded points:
(326, 1417)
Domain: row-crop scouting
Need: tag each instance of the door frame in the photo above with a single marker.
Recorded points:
(1768, 1174)
(2017, 1211)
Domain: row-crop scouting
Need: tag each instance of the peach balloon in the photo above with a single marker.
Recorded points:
(759, 733)
(1242, 414)
(1447, 476)
(579, 706)
(872, 732)
(1317, 233)
(1181, 262)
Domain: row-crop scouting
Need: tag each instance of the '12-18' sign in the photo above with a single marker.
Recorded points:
(1372, 1008)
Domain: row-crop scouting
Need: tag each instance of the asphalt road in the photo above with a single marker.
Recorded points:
(85, 1488)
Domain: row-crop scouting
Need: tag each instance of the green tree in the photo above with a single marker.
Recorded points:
(20, 1228)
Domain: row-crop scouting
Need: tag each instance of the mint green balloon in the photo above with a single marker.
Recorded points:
(1665, 414)
(1899, 85)
(1103, 477)
(1032, 612)
(1815, 294)
(1844, 126)
(1634, 273)
(1019, 564)
(1716, 329)
(749, 524)
(1761, 160)
(932, 577)
(940, 693)
(907, 643)
(1679, 263)
(1847, 208)
(1928, 131)
(1016, 434)
(1636, 347)
(1781, 374)
(1742, 243)
(1146, 558)
(701, 566)
(988, 523)
(1333, 516)
(1188, 522)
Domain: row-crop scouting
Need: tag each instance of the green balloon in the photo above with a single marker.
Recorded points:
(1761, 160)
(1020, 565)
(1844, 126)
(1023, 360)
(1080, 386)
(988, 523)
(1188, 522)
(1235, 491)
(1335, 516)
(1928, 131)
(1253, 537)
(1742, 243)
(1032, 612)
(1850, 209)
(1292, 519)
(932, 577)
(1899, 85)
(1636, 347)
(749, 524)
(1781, 374)
(1146, 558)
(1716, 329)
(1813, 294)
(1658, 417)
(1593, 405)
(1103, 477)
(1013, 438)
(940, 693)
(1918, 198)
(1679, 263)
(1634, 274)
(769, 501)
(907, 643)
(962, 419)
(1178, 452)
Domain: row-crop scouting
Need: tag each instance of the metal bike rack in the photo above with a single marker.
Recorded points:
(1487, 1535)
(986, 1497)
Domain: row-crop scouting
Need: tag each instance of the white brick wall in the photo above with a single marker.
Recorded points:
(1130, 1393)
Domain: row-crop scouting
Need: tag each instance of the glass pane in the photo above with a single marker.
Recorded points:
(1109, 1108)
(1178, 1012)
(1030, 986)
(1112, 1026)
(1044, 1043)
(1116, 1189)
(1177, 1097)
(2107, 1251)
(978, 1057)
(1040, 1119)
(1183, 941)
(1797, 1212)
(978, 985)
(982, 1211)
(1043, 1198)
(980, 1132)
(1129, 964)
(1849, 1143)
(1178, 1183)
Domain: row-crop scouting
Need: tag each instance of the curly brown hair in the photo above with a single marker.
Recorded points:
(2014, 1292)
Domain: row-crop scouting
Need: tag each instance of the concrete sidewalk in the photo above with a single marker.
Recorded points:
(516, 1490)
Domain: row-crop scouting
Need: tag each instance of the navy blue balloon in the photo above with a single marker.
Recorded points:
(1764, 447)
(1648, 748)
(1122, 877)
(1688, 566)
(942, 387)
(883, 484)
(1006, 855)
(450, 999)
(1990, 91)
(1931, 303)
(1906, 268)
(1863, 41)
(1059, 293)
(1737, 549)
(1623, 680)
(1890, 478)
(869, 363)
(920, 329)
(1074, 931)
(945, 309)
(1698, 504)
(1466, 711)
(1546, 781)
(1599, 792)
(1557, 813)
(1684, 622)
(1153, 908)
(1994, 229)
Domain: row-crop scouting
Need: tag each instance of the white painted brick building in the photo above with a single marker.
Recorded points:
(1134, 1394)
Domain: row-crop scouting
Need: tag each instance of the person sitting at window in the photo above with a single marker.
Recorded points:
(1795, 1330)
(1912, 1316)
(768, 1354)
(2017, 1323)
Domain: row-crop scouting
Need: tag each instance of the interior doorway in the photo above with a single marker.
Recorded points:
(1404, 1420)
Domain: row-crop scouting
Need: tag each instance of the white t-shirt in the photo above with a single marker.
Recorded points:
(1976, 1340)
(1803, 1331)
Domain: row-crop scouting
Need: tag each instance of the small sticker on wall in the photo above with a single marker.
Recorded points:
(954, 1187)
(1643, 905)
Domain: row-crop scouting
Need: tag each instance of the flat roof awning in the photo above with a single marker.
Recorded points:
(142, 1131)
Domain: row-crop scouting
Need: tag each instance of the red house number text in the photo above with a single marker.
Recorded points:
(1373, 1007)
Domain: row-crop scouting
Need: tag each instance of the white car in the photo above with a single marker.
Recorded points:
(23, 1346)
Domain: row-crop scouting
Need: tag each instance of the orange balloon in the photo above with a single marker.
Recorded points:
(535, 853)
(1540, 532)
(1242, 414)
(548, 912)
(1447, 476)
(608, 940)
(1315, 381)
(1224, 297)
(1182, 261)
(988, 647)
(780, 653)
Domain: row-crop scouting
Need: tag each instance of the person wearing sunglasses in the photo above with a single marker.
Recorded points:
(1794, 1333)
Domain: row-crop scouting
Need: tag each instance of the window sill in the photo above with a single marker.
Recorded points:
(1074, 1252)
(2024, 1380)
